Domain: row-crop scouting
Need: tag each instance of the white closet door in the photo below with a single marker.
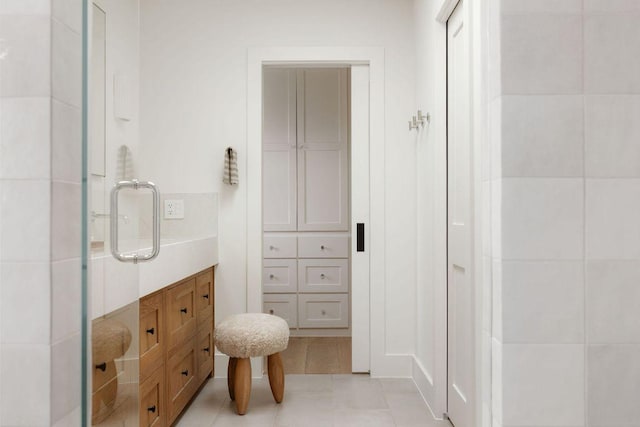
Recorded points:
(461, 372)
(322, 150)
(279, 150)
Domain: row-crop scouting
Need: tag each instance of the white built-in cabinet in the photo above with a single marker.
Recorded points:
(306, 197)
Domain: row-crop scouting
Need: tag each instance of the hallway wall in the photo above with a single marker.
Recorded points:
(567, 169)
(194, 92)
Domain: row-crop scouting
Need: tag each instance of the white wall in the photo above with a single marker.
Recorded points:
(193, 95)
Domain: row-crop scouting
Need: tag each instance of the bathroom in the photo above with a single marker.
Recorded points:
(552, 90)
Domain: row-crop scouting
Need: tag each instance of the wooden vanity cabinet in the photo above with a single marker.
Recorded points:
(176, 347)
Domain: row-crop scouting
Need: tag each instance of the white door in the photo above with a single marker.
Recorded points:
(323, 184)
(279, 150)
(460, 277)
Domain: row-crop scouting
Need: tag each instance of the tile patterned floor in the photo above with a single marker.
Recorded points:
(315, 400)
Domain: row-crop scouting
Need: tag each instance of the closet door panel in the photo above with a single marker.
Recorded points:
(279, 150)
(322, 150)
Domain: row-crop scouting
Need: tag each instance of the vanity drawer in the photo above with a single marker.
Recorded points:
(279, 247)
(279, 275)
(323, 247)
(205, 354)
(282, 305)
(151, 334)
(181, 377)
(152, 412)
(180, 316)
(323, 275)
(204, 298)
(323, 310)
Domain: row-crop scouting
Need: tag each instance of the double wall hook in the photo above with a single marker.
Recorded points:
(419, 121)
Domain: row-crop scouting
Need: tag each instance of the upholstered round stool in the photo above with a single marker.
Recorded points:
(243, 336)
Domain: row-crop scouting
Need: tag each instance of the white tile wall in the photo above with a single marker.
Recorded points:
(613, 299)
(541, 54)
(65, 297)
(66, 64)
(66, 153)
(612, 134)
(611, 6)
(65, 375)
(543, 385)
(25, 7)
(25, 299)
(541, 6)
(612, 63)
(542, 136)
(24, 392)
(66, 215)
(542, 219)
(26, 68)
(612, 226)
(24, 138)
(25, 220)
(68, 12)
(542, 302)
(613, 374)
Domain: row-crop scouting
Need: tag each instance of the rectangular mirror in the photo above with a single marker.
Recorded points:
(97, 118)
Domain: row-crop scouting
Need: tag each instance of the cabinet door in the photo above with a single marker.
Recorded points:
(322, 150)
(181, 314)
(151, 334)
(152, 410)
(279, 150)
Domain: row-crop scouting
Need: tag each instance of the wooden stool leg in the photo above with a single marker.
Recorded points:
(276, 376)
(242, 384)
(231, 373)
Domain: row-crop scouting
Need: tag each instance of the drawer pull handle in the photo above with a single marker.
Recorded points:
(322, 276)
(323, 312)
(205, 296)
(271, 276)
(272, 248)
(152, 409)
(185, 372)
(183, 310)
(151, 331)
(207, 349)
(322, 247)
(271, 311)
(102, 366)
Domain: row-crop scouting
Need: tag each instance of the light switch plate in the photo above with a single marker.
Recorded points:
(174, 209)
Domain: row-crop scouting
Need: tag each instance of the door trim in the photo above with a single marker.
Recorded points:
(311, 56)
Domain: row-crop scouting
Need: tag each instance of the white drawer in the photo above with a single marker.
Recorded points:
(323, 275)
(323, 247)
(279, 247)
(323, 310)
(282, 305)
(279, 275)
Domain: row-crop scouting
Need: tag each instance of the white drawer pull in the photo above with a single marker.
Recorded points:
(271, 276)
(272, 248)
(322, 276)
(322, 247)
(323, 312)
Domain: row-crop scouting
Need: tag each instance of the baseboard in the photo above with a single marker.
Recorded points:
(424, 383)
(221, 361)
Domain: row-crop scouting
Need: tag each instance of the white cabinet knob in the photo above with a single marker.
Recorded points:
(322, 247)
(322, 276)
(271, 276)
(323, 312)
(271, 311)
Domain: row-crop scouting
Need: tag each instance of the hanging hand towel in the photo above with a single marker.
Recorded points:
(230, 167)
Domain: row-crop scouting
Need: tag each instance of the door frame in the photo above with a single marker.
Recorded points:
(370, 300)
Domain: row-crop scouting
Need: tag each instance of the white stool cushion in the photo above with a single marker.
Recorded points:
(251, 335)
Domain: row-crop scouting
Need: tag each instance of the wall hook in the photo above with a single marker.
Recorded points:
(422, 119)
(413, 123)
